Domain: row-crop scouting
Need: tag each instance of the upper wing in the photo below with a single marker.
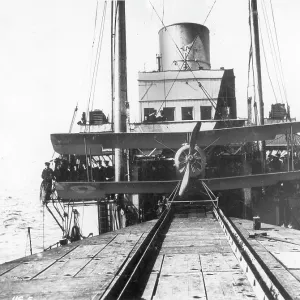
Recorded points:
(93, 143)
(96, 190)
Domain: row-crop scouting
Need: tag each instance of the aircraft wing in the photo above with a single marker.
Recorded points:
(93, 143)
(96, 190)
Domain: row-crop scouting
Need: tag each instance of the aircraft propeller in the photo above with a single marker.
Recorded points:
(190, 159)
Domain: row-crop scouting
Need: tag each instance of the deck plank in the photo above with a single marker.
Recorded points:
(7, 267)
(291, 260)
(180, 263)
(27, 270)
(180, 286)
(64, 268)
(77, 288)
(104, 265)
(219, 262)
(195, 250)
(150, 287)
(227, 286)
(85, 251)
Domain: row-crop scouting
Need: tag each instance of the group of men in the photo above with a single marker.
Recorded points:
(77, 169)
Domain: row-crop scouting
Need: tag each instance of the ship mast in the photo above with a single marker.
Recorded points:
(120, 85)
(256, 52)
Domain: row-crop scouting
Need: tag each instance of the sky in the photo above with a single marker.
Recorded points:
(46, 58)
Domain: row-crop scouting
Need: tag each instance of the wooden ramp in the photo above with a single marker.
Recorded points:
(197, 262)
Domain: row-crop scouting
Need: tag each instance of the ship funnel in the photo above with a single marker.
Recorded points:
(192, 41)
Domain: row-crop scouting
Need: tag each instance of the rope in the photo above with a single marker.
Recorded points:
(252, 61)
(262, 43)
(284, 88)
(82, 216)
(272, 47)
(162, 145)
(98, 52)
(170, 87)
(209, 193)
(73, 118)
(209, 12)
(26, 244)
(174, 192)
(199, 83)
(43, 227)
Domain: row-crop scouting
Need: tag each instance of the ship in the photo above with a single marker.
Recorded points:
(170, 190)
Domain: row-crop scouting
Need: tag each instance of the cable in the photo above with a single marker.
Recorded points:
(170, 88)
(209, 12)
(43, 227)
(217, 113)
(284, 88)
(262, 42)
(272, 48)
(97, 58)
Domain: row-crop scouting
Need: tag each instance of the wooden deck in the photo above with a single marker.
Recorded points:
(195, 261)
(278, 249)
(81, 270)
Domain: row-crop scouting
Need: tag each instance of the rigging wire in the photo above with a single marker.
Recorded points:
(93, 43)
(43, 227)
(97, 58)
(95, 24)
(174, 81)
(272, 48)
(279, 54)
(266, 62)
(163, 12)
(73, 118)
(199, 83)
(209, 12)
(252, 62)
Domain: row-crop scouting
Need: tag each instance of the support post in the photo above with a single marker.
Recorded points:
(260, 103)
(249, 100)
(29, 236)
(120, 85)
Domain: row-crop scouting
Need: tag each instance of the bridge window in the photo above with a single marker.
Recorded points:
(187, 113)
(169, 113)
(205, 112)
(147, 112)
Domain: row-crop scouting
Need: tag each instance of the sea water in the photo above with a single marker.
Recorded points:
(20, 210)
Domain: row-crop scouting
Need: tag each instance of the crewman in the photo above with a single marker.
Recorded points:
(47, 176)
(47, 173)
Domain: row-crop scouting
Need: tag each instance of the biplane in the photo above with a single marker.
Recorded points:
(190, 159)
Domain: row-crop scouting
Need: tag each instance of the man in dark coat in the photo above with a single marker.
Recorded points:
(47, 176)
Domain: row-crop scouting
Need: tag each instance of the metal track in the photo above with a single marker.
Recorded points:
(263, 286)
(119, 286)
(263, 283)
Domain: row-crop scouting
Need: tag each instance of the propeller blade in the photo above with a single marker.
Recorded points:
(194, 137)
(185, 180)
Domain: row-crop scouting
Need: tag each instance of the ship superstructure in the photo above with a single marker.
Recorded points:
(185, 87)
